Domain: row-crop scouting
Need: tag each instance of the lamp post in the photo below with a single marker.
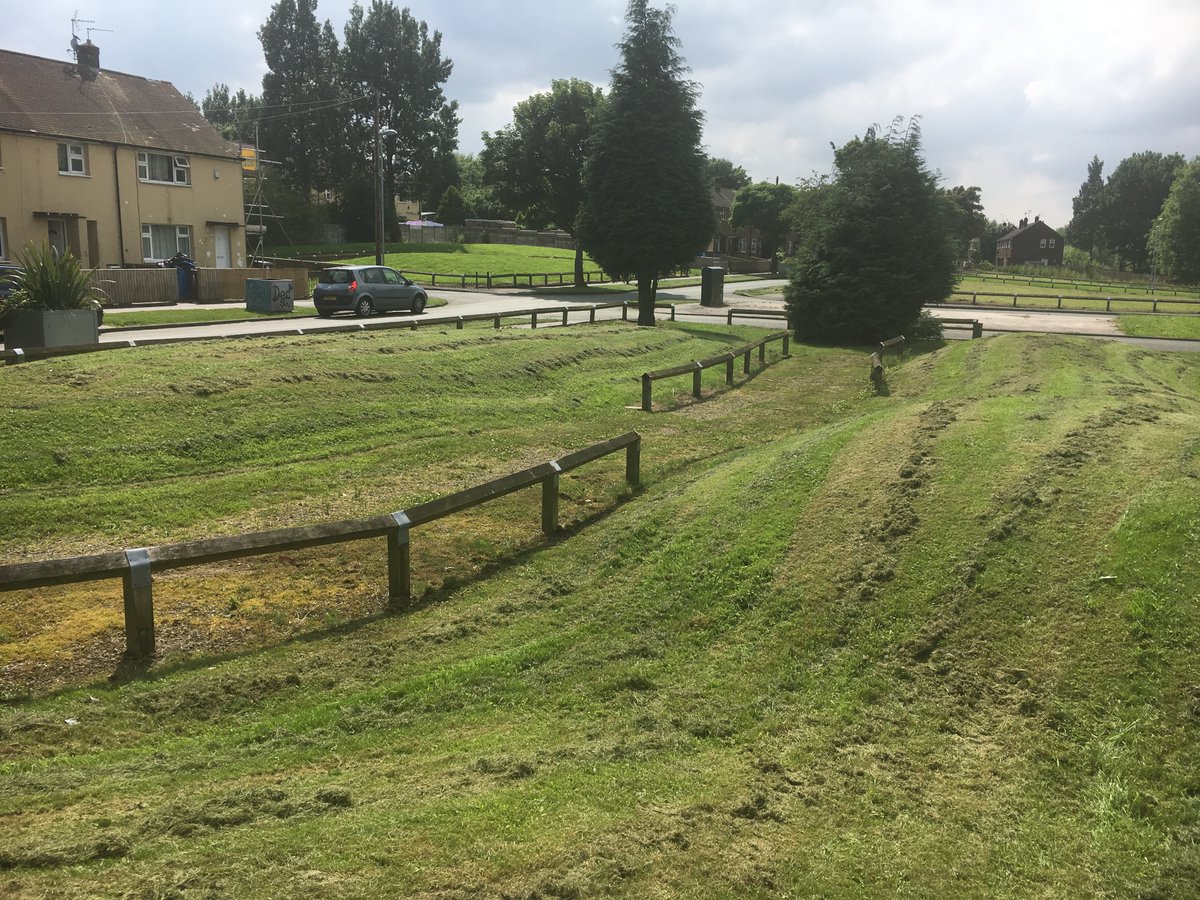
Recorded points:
(379, 198)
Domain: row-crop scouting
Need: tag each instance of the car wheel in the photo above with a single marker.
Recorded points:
(364, 307)
(418, 304)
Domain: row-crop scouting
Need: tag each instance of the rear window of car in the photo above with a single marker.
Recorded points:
(335, 276)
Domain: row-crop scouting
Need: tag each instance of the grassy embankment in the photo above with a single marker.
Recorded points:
(937, 642)
(189, 316)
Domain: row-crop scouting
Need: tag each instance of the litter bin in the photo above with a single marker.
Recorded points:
(186, 275)
(712, 286)
(265, 295)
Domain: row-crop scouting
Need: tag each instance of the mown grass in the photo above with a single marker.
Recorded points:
(1164, 326)
(665, 285)
(467, 259)
(185, 316)
(934, 642)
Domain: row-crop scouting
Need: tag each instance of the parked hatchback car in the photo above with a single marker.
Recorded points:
(363, 290)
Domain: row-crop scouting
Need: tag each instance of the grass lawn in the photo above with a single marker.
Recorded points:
(1050, 284)
(186, 316)
(1026, 296)
(1164, 326)
(666, 284)
(933, 642)
(467, 259)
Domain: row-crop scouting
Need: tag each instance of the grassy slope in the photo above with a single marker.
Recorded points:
(937, 644)
(467, 259)
(184, 315)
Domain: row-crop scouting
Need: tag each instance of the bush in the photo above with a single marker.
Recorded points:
(49, 280)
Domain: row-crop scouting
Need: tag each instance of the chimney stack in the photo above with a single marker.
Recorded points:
(87, 56)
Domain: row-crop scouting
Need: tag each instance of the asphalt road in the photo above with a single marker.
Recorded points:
(468, 302)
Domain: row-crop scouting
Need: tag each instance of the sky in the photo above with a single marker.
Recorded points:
(1014, 97)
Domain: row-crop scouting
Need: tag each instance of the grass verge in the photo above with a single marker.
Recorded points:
(933, 642)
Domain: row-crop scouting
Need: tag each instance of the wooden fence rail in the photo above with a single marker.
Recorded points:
(696, 369)
(136, 567)
(1154, 302)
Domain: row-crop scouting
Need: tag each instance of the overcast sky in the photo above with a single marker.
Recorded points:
(1015, 97)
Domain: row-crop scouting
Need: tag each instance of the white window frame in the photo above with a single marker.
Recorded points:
(76, 160)
(179, 169)
(179, 241)
(1051, 243)
(1043, 245)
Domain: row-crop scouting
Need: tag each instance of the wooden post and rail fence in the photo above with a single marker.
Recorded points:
(136, 567)
(696, 369)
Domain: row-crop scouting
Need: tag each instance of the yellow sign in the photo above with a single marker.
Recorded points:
(249, 159)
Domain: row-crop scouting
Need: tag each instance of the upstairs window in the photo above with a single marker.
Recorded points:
(1051, 243)
(161, 168)
(72, 160)
(1043, 247)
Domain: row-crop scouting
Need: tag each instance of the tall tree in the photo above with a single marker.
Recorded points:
(479, 196)
(649, 205)
(1087, 221)
(451, 209)
(300, 93)
(969, 220)
(234, 114)
(536, 163)
(764, 206)
(724, 174)
(879, 244)
(1175, 238)
(394, 63)
(1134, 196)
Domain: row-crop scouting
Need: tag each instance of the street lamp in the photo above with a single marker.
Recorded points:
(379, 200)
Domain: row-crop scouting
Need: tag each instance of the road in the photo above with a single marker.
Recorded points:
(469, 302)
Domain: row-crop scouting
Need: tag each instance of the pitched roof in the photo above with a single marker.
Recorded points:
(47, 97)
(1036, 222)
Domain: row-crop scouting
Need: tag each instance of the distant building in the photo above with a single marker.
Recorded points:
(121, 170)
(1034, 244)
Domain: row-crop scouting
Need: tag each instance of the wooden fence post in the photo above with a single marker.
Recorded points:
(977, 329)
(139, 605)
(762, 353)
(786, 338)
(729, 317)
(550, 500)
(696, 378)
(592, 315)
(533, 320)
(646, 392)
(564, 315)
(672, 312)
(633, 463)
(746, 363)
(497, 323)
(399, 561)
(729, 370)
(459, 324)
(624, 310)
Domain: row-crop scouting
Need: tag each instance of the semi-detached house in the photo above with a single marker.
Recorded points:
(122, 170)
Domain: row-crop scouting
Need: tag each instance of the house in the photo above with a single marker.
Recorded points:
(1033, 244)
(122, 170)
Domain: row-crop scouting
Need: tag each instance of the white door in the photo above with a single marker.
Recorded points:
(221, 235)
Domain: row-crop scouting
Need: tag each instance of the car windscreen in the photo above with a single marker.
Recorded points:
(335, 276)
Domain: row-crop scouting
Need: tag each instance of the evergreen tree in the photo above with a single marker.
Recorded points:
(1087, 221)
(235, 115)
(536, 163)
(879, 244)
(451, 209)
(724, 174)
(1175, 238)
(969, 222)
(649, 205)
(299, 124)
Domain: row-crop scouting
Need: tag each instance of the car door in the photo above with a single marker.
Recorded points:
(381, 291)
(399, 288)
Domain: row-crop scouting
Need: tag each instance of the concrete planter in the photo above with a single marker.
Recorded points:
(51, 328)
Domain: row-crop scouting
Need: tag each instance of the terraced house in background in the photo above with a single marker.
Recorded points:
(122, 170)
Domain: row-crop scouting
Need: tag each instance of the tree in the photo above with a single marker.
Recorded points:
(1134, 197)
(649, 206)
(394, 64)
(480, 198)
(1175, 237)
(879, 244)
(235, 115)
(1087, 221)
(451, 209)
(724, 174)
(969, 221)
(764, 206)
(299, 124)
(992, 232)
(535, 164)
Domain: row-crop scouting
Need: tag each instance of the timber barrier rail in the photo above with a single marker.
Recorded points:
(1154, 302)
(136, 567)
(696, 369)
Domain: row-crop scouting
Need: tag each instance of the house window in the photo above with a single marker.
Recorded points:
(3, 238)
(1051, 243)
(164, 241)
(71, 159)
(161, 168)
(1043, 245)
(723, 213)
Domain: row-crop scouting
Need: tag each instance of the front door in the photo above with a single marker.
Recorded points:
(221, 236)
(58, 236)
